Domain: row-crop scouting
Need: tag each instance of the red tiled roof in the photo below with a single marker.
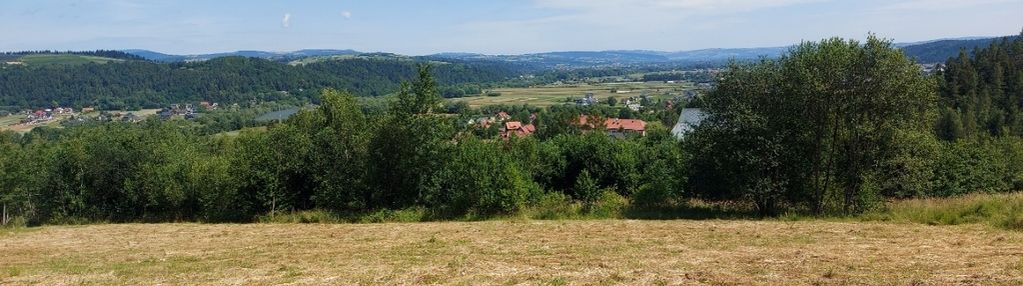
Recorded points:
(529, 128)
(512, 125)
(625, 124)
(517, 129)
(615, 123)
(503, 115)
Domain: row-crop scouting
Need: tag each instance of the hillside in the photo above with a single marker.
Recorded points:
(63, 59)
(941, 50)
(133, 84)
(515, 252)
(925, 52)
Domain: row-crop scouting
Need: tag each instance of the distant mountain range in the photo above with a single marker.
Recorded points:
(157, 56)
(927, 52)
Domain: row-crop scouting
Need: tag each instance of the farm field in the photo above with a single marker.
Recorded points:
(548, 95)
(513, 252)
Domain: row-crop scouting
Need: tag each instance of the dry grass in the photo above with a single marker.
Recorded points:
(515, 252)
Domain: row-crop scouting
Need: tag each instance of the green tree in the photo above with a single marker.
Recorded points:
(810, 127)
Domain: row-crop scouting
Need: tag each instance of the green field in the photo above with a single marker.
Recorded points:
(64, 59)
(548, 95)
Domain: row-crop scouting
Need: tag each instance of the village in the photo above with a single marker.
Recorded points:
(26, 120)
(508, 128)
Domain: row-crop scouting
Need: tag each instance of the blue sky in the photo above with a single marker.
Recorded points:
(490, 26)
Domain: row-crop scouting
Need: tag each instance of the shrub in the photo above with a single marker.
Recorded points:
(610, 205)
(310, 216)
(998, 210)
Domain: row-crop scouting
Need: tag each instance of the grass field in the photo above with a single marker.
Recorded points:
(599, 252)
(52, 59)
(556, 94)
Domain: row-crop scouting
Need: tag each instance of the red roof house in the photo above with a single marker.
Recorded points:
(515, 128)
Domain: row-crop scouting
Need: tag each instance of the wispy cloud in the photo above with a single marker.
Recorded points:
(346, 14)
(286, 22)
(938, 5)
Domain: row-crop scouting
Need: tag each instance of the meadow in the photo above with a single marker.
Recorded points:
(547, 95)
(911, 242)
(51, 59)
(603, 252)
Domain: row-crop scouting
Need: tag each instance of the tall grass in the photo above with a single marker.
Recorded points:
(998, 210)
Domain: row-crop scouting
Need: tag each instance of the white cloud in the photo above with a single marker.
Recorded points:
(937, 5)
(346, 14)
(286, 22)
(661, 6)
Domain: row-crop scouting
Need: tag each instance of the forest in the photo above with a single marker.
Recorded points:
(832, 128)
(143, 84)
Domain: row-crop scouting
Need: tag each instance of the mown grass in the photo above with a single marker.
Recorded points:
(998, 210)
(562, 252)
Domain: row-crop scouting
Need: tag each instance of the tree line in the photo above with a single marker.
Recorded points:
(834, 127)
(144, 84)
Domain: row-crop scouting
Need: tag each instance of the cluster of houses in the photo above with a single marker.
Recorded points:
(613, 126)
(635, 103)
(177, 110)
(186, 110)
(508, 128)
(45, 115)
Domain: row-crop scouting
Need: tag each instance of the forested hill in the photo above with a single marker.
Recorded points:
(982, 92)
(941, 50)
(146, 84)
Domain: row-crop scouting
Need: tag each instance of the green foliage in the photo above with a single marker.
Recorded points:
(984, 89)
(143, 84)
(810, 129)
(1001, 210)
(968, 167)
(586, 188)
(479, 178)
(835, 127)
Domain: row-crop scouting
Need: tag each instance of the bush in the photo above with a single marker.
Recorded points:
(480, 179)
(553, 206)
(416, 214)
(311, 216)
(967, 167)
(610, 205)
(998, 210)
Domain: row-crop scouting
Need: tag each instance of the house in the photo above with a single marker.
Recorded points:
(88, 109)
(206, 105)
(615, 126)
(502, 116)
(131, 118)
(517, 129)
(687, 121)
(621, 127)
(588, 100)
(40, 115)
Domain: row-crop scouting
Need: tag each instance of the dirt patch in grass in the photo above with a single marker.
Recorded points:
(513, 252)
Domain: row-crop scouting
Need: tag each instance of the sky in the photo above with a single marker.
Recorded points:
(418, 27)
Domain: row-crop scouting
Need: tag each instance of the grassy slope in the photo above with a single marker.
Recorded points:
(52, 59)
(512, 252)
